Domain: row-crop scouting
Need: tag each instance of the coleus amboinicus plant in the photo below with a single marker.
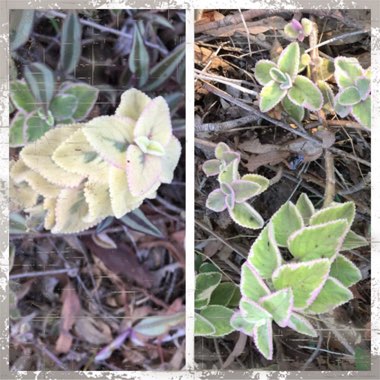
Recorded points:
(107, 166)
(298, 30)
(354, 96)
(316, 280)
(234, 191)
(283, 84)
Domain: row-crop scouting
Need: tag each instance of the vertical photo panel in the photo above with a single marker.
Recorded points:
(97, 190)
(282, 190)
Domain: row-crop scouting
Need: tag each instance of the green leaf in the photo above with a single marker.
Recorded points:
(325, 69)
(296, 112)
(264, 254)
(219, 317)
(285, 221)
(203, 327)
(307, 26)
(246, 216)
(342, 111)
(139, 57)
(319, 241)
(239, 323)
(279, 305)
(349, 96)
(16, 130)
(252, 285)
(270, 95)
(262, 71)
(229, 173)
(347, 70)
(163, 70)
(262, 336)
(305, 207)
(159, 324)
(20, 27)
(63, 106)
(277, 75)
(289, 59)
(207, 268)
(328, 96)
(252, 312)
(86, 97)
(41, 82)
(244, 190)
(216, 201)
(71, 43)
(334, 212)
(345, 271)
(137, 220)
(306, 94)
(305, 279)
(205, 284)
(258, 179)
(301, 325)
(362, 112)
(21, 96)
(211, 167)
(332, 295)
(223, 294)
(363, 85)
(35, 127)
(353, 240)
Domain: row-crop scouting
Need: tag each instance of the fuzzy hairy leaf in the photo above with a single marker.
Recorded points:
(253, 312)
(224, 294)
(328, 95)
(139, 57)
(220, 149)
(262, 71)
(306, 94)
(345, 271)
(263, 338)
(347, 70)
(63, 106)
(38, 157)
(319, 241)
(203, 327)
(305, 279)
(289, 59)
(279, 305)
(301, 325)
(270, 95)
(246, 216)
(98, 200)
(363, 85)
(216, 201)
(229, 173)
(296, 112)
(244, 190)
(258, 179)
(205, 284)
(305, 207)
(170, 160)
(362, 112)
(353, 240)
(341, 110)
(219, 317)
(21, 96)
(285, 221)
(35, 127)
(239, 323)
(76, 155)
(211, 167)
(349, 96)
(264, 254)
(252, 285)
(334, 212)
(16, 130)
(332, 295)
(86, 96)
(132, 104)
(277, 75)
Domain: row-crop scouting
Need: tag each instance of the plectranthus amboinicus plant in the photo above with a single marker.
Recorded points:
(82, 173)
(234, 191)
(314, 281)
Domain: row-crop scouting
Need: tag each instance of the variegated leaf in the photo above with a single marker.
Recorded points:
(301, 325)
(345, 271)
(246, 216)
(279, 305)
(252, 285)
(263, 338)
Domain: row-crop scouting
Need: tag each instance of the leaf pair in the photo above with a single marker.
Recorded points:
(281, 83)
(298, 30)
(355, 88)
(234, 191)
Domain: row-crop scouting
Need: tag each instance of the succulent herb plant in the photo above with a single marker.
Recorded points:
(316, 280)
(283, 84)
(107, 166)
(234, 191)
(354, 96)
(214, 301)
(298, 30)
(40, 105)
